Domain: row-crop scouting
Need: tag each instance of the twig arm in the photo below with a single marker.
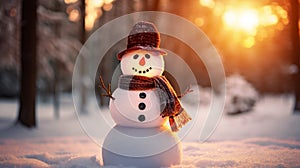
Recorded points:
(106, 89)
(187, 91)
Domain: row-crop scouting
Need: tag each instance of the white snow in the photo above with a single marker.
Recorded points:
(267, 136)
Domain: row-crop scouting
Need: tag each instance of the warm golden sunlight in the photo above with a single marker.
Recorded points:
(207, 3)
(241, 19)
(248, 22)
(91, 14)
(93, 10)
(74, 15)
(70, 1)
(249, 42)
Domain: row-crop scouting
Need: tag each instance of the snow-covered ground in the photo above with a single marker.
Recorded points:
(268, 136)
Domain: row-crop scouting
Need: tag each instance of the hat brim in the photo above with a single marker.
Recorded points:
(160, 51)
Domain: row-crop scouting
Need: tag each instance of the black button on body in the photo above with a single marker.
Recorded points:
(142, 106)
(142, 95)
(141, 118)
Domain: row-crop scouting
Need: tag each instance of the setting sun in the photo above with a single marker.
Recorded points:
(250, 23)
(248, 20)
(242, 19)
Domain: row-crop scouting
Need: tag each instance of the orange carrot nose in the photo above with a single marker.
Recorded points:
(142, 62)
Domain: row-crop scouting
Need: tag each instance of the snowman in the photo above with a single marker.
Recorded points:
(145, 107)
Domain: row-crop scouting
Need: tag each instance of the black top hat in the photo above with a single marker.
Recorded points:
(143, 35)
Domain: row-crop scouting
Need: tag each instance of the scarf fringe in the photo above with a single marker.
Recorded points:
(176, 122)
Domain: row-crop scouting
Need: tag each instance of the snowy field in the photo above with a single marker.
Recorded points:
(268, 136)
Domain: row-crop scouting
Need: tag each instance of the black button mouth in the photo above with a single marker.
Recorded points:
(141, 118)
(141, 71)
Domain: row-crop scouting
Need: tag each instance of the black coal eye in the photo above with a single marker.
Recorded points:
(136, 56)
(147, 56)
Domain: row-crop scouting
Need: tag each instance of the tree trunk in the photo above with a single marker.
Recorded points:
(83, 87)
(28, 64)
(56, 67)
(55, 89)
(294, 14)
(82, 22)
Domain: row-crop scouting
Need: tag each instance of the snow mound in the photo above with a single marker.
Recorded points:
(241, 96)
(13, 161)
(81, 162)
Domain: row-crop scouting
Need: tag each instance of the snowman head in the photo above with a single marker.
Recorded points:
(143, 55)
(142, 62)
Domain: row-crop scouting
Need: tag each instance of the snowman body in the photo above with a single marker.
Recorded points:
(141, 147)
(140, 109)
(140, 137)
